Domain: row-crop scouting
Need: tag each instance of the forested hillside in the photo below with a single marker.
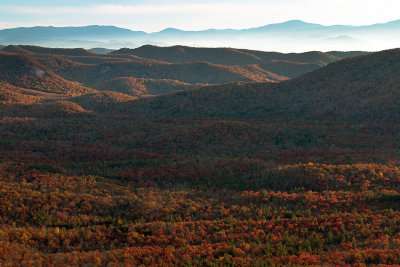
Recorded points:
(360, 89)
(31, 50)
(27, 72)
(152, 70)
(198, 163)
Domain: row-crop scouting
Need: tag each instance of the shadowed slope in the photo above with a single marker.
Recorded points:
(29, 49)
(56, 109)
(182, 54)
(231, 56)
(100, 101)
(141, 86)
(193, 72)
(314, 57)
(346, 54)
(287, 65)
(100, 50)
(363, 88)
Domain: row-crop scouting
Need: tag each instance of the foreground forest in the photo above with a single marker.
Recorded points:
(223, 167)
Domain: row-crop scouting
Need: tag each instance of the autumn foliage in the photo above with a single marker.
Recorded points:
(241, 174)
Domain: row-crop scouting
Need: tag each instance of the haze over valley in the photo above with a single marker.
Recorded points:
(278, 37)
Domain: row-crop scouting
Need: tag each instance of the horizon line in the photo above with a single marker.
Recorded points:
(206, 29)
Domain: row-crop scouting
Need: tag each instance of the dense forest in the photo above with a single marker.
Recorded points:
(212, 159)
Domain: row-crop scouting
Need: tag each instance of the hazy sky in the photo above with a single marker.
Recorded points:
(155, 15)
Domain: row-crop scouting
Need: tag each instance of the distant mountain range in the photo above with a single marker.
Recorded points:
(288, 36)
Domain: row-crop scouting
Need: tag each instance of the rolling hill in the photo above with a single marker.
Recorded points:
(124, 72)
(142, 86)
(27, 72)
(13, 94)
(193, 72)
(364, 88)
(245, 117)
(231, 56)
(287, 65)
(190, 73)
(31, 50)
(151, 70)
(53, 109)
(100, 101)
(313, 57)
(100, 50)
(184, 54)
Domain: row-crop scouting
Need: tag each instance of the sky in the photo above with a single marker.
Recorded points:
(156, 15)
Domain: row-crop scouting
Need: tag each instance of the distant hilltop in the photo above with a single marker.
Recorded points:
(290, 36)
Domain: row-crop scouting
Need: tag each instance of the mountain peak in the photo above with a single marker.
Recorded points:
(170, 30)
(295, 22)
(288, 25)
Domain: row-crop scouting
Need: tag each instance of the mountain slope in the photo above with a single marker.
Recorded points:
(184, 54)
(100, 50)
(131, 72)
(30, 50)
(127, 73)
(27, 72)
(287, 65)
(364, 88)
(290, 69)
(54, 109)
(228, 56)
(141, 86)
(345, 54)
(100, 101)
(192, 73)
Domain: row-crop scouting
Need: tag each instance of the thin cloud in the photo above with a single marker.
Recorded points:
(203, 14)
(121, 9)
